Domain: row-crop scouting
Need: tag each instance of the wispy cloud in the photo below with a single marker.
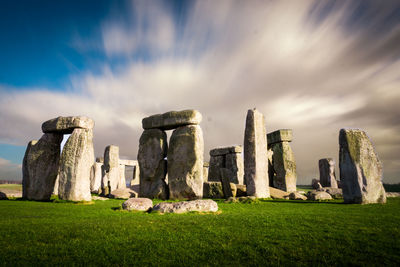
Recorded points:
(312, 66)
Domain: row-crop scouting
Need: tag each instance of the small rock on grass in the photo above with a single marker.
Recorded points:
(200, 205)
(297, 196)
(141, 204)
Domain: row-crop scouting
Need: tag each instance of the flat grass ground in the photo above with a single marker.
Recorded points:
(267, 232)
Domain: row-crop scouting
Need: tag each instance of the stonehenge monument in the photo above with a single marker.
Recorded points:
(42, 162)
(96, 176)
(229, 158)
(282, 165)
(255, 155)
(327, 175)
(360, 168)
(184, 156)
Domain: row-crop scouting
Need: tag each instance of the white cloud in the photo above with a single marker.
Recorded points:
(229, 57)
(10, 171)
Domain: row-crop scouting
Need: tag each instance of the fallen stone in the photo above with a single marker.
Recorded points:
(185, 163)
(315, 183)
(212, 190)
(392, 194)
(40, 167)
(99, 198)
(334, 192)
(123, 193)
(297, 196)
(283, 135)
(200, 205)
(153, 168)
(277, 193)
(66, 125)
(140, 204)
(77, 159)
(255, 155)
(318, 195)
(171, 120)
(220, 151)
(283, 173)
(327, 174)
(360, 169)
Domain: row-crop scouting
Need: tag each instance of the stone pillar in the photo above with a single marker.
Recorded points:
(111, 172)
(77, 159)
(122, 178)
(185, 163)
(283, 173)
(153, 168)
(206, 165)
(229, 158)
(95, 177)
(327, 175)
(360, 169)
(40, 167)
(255, 155)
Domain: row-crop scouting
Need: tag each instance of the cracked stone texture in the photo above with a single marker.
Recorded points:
(360, 168)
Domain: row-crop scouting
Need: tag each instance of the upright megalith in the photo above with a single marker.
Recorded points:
(360, 168)
(77, 159)
(282, 167)
(95, 176)
(185, 163)
(327, 176)
(40, 167)
(153, 168)
(111, 179)
(229, 158)
(255, 155)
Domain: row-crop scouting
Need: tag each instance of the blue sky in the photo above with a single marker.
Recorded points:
(313, 66)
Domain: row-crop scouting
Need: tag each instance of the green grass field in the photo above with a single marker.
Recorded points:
(263, 233)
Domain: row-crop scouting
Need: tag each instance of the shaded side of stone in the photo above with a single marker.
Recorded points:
(284, 173)
(327, 174)
(40, 167)
(212, 190)
(283, 135)
(153, 168)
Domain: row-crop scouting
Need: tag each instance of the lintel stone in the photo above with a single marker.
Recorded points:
(283, 135)
(172, 119)
(66, 125)
(225, 150)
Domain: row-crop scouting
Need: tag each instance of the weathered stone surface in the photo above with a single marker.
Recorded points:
(220, 151)
(200, 205)
(205, 171)
(135, 176)
(255, 155)
(185, 163)
(216, 163)
(95, 177)
(226, 175)
(234, 162)
(123, 193)
(297, 196)
(334, 192)
(66, 125)
(55, 190)
(171, 120)
(111, 171)
(40, 167)
(212, 190)
(318, 195)
(327, 174)
(392, 194)
(283, 135)
(140, 204)
(240, 190)
(360, 169)
(277, 194)
(283, 167)
(77, 158)
(122, 178)
(153, 168)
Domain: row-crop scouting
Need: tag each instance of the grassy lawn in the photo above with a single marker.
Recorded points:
(268, 232)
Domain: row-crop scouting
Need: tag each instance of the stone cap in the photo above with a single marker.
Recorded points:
(128, 162)
(66, 125)
(283, 135)
(172, 119)
(225, 150)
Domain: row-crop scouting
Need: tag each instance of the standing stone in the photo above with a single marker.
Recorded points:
(360, 169)
(185, 163)
(206, 166)
(122, 178)
(255, 155)
(77, 158)
(216, 163)
(111, 171)
(55, 190)
(40, 167)
(234, 162)
(153, 168)
(229, 158)
(327, 175)
(282, 163)
(95, 177)
(226, 175)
